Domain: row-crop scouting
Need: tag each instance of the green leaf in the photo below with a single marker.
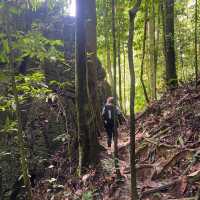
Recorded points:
(2, 5)
(6, 48)
(87, 196)
(3, 76)
(13, 11)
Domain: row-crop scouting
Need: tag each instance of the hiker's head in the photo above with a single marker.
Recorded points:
(110, 100)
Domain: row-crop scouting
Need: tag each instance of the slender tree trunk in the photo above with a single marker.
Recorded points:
(152, 49)
(115, 90)
(196, 40)
(157, 42)
(148, 64)
(132, 15)
(181, 49)
(182, 64)
(171, 76)
(107, 45)
(1, 183)
(143, 53)
(161, 2)
(110, 75)
(124, 53)
(120, 74)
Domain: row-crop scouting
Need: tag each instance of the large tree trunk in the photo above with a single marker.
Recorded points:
(82, 98)
(132, 15)
(171, 76)
(91, 48)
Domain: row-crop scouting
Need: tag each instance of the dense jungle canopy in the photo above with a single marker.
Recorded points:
(64, 64)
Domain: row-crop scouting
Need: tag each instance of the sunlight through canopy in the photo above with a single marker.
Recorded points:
(72, 8)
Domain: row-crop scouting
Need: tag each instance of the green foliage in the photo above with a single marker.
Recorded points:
(29, 86)
(87, 196)
(6, 103)
(34, 45)
(9, 126)
(32, 85)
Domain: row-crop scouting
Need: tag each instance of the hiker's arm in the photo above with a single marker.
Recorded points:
(121, 117)
(103, 111)
(103, 115)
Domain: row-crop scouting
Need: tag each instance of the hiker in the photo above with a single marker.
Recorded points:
(108, 113)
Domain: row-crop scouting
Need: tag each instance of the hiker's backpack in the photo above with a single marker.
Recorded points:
(108, 115)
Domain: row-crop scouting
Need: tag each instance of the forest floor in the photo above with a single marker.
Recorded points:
(167, 155)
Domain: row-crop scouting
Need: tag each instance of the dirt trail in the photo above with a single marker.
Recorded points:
(119, 190)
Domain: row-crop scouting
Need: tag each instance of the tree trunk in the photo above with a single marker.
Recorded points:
(152, 49)
(181, 49)
(196, 40)
(91, 49)
(107, 45)
(132, 15)
(120, 74)
(115, 90)
(171, 76)
(1, 183)
(110, 75)
(82, 87)
(124, 53)
(143, 53)
(163, 27)
(157, 42)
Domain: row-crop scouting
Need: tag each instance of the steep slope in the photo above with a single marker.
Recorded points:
(168, 145)
(168, 154)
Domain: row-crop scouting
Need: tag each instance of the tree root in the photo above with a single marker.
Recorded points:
(172, 161)
(190, 179)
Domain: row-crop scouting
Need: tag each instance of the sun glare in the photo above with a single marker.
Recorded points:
(72, 8)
